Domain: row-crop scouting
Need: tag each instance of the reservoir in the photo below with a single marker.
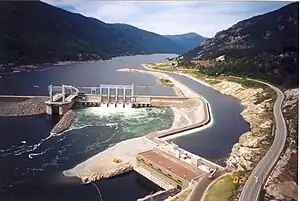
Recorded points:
(32, 160)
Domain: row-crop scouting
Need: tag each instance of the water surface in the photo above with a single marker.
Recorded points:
(32, 161)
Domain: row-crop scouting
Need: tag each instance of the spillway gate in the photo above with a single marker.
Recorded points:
(107, 95)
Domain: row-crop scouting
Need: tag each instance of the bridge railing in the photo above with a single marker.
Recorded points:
(102, 90)
(64, 90)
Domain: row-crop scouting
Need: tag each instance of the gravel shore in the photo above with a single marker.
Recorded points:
(32, 106)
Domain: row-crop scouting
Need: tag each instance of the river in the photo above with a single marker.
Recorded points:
(32, 160)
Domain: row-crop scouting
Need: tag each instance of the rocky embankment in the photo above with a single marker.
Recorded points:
(103, 165)
(258, 100)
(252, 145)
(65, 122)
(282, 183)
(121, 169)
(32, 106)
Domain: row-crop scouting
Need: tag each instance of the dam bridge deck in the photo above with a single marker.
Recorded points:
(62, 98)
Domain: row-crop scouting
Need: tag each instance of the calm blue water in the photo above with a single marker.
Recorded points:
(32, 161)
(216, 141)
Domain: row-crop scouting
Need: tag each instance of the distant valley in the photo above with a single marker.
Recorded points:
(35, 32)
(188, 41)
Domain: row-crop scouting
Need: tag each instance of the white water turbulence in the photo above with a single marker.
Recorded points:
(94, 130)
(132, 122)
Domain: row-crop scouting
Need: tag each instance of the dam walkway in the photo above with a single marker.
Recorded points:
(63, 98)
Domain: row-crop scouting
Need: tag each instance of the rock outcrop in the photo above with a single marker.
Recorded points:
(65, 122)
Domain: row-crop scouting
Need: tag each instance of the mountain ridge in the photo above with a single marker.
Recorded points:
(36, 32)
(188, 40)
(263, 47)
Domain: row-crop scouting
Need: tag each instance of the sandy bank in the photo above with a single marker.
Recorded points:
(191, 112)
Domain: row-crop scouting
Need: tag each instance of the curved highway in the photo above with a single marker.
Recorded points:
(256, 179)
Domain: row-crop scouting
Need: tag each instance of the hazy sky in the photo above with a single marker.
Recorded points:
(170, 17)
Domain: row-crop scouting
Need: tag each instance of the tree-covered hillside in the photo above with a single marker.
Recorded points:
(33, 31)
(188, 41)
(264, 46)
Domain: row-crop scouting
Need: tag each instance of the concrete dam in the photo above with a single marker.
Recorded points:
(172, 168)
(63, 98)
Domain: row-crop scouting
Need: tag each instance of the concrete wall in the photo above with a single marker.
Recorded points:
(49, 109)
(60, 109)
(144, 171)
(160, 101)
(139, 101)
(65, 108)
(142, 100)
(193, 159)
(161, 172)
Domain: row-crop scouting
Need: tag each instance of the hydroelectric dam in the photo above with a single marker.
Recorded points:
(172, 168)
(63, 98)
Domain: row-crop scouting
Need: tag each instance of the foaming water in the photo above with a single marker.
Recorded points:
(23, 148)
(94, 130)
(135, 122)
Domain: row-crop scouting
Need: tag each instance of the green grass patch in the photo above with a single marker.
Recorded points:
(245, 82)
(160, 66)
(268, 93)
(212, 82)
(166, 82)
(207, 78)
(225, 187)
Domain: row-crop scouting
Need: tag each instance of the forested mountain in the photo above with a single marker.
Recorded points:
(264, 46)
(188, 41)
(33, 31)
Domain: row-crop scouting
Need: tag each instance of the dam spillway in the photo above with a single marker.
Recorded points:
(63, 98)
(110, 96)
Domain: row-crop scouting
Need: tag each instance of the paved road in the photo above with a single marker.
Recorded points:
(255, 181)
(200, 188)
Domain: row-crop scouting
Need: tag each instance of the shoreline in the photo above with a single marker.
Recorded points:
(13, 68)
(186, 121)
(249, 150)
(10, 69)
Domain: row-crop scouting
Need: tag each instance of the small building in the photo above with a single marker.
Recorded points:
(168, 168)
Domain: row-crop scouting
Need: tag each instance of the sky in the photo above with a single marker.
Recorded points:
(170, 17)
